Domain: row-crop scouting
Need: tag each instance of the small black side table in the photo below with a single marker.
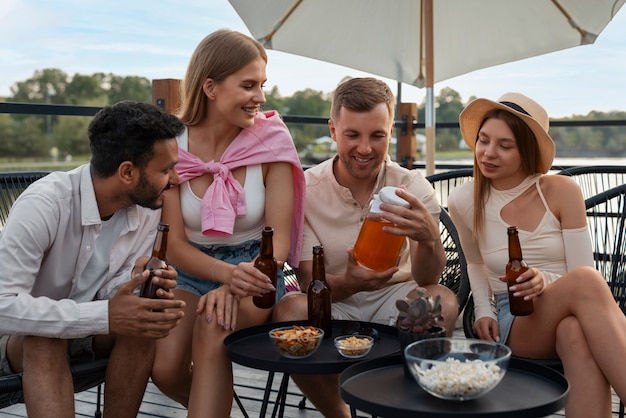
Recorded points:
(380, 388)
(251, 347)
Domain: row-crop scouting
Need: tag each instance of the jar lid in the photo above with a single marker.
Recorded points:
(388, 195)
(375, 204)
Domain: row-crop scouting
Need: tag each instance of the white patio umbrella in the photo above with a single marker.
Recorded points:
(420, 42)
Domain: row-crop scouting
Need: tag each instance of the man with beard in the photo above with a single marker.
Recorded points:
(337, 196)
(73, 253)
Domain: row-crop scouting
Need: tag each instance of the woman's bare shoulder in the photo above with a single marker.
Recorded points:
(560, 190)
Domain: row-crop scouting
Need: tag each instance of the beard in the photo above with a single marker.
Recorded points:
(146, 194)
(360, 172)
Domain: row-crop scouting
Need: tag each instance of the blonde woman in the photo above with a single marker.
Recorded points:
(239, 172)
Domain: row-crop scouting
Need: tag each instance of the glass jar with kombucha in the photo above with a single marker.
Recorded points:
(375, 248)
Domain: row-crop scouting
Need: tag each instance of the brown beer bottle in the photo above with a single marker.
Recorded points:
(514, 268)
(267, 264)
(319, 295)
(157, 261)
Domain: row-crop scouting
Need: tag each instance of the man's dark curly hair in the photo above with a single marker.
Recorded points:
(127, 131)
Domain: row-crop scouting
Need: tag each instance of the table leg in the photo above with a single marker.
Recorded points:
(266, 394)
(281, 398)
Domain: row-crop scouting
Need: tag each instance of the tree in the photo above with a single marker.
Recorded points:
(307, 102)
(83, 87)
(138, 89)
(45, 86)
(273, 100)
(448, 106)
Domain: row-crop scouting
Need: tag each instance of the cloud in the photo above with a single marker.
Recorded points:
(156, 39)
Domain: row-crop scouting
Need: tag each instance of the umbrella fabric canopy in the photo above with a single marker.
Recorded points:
(420, 42)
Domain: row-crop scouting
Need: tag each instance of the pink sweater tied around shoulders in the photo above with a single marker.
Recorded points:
(267, 141)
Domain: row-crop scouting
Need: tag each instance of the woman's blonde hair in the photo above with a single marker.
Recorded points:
(217, 56)
(528, 150)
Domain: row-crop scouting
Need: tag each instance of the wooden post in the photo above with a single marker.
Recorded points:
(407, 141)
(166, 94)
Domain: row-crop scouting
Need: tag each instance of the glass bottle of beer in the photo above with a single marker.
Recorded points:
(374, 248)
(267, 264)
(319, 295)
(514, 268)
(157, 261)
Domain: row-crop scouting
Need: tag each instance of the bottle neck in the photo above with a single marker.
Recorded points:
(267, 246)
(159, 250)
(515, 249)
(319, 272)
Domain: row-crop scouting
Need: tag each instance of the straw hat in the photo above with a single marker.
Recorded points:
(525, 108)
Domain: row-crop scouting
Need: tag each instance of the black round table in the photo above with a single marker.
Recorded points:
(379, 387)
(251, 347)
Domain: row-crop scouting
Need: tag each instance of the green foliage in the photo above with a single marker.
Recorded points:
(307, 102)
(32, 136)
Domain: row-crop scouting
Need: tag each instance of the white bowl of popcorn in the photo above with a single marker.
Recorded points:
(457, 369)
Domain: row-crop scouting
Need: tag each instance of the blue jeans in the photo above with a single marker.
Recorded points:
(505, 318)
(232, 254)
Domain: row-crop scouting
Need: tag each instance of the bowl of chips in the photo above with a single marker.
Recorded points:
(296, 341)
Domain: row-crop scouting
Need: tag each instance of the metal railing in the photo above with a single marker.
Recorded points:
(78, 110)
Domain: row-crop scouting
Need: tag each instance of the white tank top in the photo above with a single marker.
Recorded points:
(246, 227)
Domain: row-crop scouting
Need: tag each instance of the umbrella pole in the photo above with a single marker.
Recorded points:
(430, 97)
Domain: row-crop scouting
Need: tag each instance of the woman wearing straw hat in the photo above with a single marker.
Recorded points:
(575, 317)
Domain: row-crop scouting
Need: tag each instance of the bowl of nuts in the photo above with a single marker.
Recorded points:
(296, 341)
(457, 369)
(354, 346)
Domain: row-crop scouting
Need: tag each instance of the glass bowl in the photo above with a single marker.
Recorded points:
(457, 369)
(296, 341)
(354, 346)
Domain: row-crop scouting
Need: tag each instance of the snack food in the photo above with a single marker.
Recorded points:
(456, 379)
(354, 346)
(296, 341)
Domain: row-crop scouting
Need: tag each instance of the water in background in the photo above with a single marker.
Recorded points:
(558, 162)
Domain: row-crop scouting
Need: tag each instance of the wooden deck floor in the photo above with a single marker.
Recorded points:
(249, 386)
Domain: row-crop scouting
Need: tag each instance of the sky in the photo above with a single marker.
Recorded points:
(155, 39)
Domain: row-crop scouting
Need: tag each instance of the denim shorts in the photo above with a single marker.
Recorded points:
(232, 254)
(505, 318)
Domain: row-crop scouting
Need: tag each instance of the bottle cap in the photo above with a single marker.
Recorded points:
(388, 195)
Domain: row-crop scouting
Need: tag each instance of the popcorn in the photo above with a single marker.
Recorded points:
(457, 379)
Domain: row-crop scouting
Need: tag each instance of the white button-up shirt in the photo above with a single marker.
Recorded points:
(44, 248)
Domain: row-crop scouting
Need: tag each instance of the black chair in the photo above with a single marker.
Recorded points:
(12, 184)
(444, 182)
(85, 375)
(594, 180)
(606, 218)
(454, 275)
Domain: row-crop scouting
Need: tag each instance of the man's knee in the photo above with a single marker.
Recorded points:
(292, 306)
(449, 301)
(43, 346)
